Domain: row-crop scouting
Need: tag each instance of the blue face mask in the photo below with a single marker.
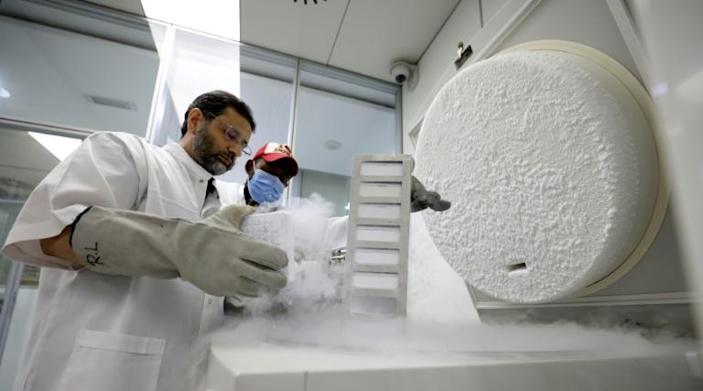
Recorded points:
(264, 188)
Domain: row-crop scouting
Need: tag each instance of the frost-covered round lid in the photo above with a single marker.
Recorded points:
(551, 169)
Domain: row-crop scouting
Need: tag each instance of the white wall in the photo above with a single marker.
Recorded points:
(587, 22)
(461, 26)
(671, 36)
(490, 9)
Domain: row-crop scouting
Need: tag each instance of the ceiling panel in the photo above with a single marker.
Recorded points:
(375, 33)
(307, 31)
(363, 36)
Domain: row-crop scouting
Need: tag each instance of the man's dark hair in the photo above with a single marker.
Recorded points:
(214, 103)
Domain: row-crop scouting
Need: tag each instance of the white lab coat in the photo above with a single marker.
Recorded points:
(336, 233)
(104, 332)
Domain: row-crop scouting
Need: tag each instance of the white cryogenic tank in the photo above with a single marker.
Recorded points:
(548, 155)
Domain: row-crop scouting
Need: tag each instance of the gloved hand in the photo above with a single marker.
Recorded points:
(421, 199)
(212, 254)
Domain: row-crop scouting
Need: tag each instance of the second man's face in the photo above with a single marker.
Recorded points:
(277, 168)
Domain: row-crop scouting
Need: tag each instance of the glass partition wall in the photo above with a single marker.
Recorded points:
(340, 115)
(26, 157)
(327, 115)
(57, 86)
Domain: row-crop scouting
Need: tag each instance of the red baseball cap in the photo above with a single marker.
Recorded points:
(272, 152)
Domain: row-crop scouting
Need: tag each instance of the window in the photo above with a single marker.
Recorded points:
(25, 159)
(49, 75)
(141, 80)
(340, 115)
(267, 87)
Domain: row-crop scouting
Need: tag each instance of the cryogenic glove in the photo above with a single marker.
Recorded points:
(421, 199)
(212, 254)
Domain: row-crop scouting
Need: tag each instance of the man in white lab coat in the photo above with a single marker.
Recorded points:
(133, 271)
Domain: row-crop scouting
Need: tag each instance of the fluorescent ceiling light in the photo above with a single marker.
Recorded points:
(4, 93)
(218, 17)
(332, 145)
(59, 146)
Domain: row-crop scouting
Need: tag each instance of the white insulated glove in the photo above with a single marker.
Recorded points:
(212, 254)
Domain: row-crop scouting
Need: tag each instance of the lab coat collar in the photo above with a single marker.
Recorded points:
(196, 171)
(245, 194)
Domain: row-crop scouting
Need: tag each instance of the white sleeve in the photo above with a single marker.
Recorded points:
(102, 171)
(231, 193)
(336, 232)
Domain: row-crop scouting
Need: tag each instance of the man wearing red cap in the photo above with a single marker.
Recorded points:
(269, 170)
(273, 166)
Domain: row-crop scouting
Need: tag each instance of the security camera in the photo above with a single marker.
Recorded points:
(401, 71)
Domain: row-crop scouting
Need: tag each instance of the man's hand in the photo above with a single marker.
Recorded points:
(421, 199)
(212, 254)
(58, 246)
